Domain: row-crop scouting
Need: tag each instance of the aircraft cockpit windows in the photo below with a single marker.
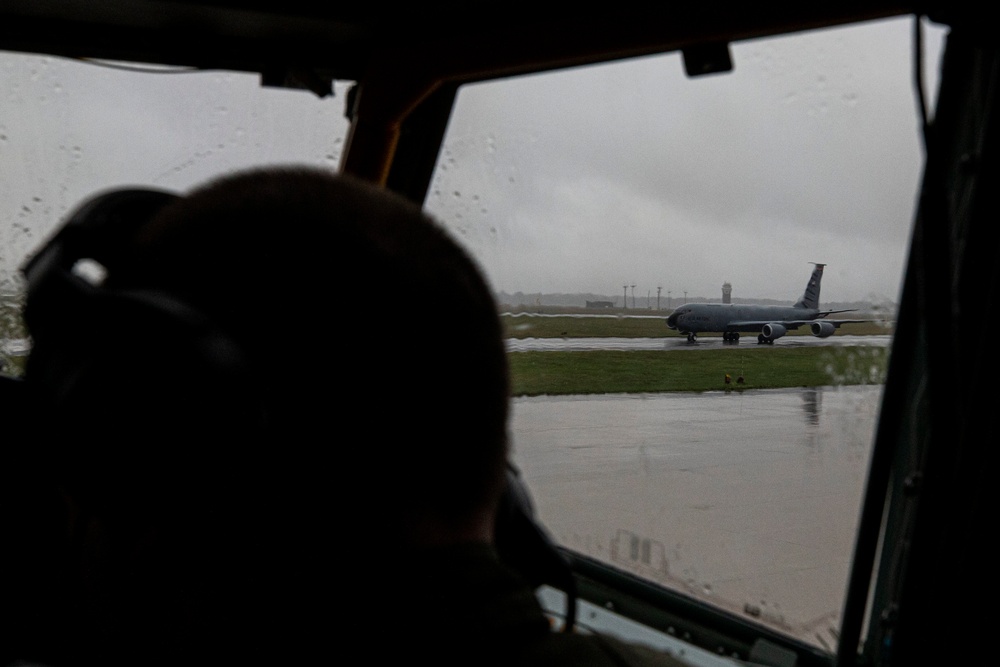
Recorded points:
(70, 128)
(600, 199)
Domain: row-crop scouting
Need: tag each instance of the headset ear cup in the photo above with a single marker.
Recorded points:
(128, 368)
(84, 334)
(144, 356)
(159, 395)
(100, 230)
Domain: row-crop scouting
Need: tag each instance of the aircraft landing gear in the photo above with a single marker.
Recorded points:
(731, 336)
(761, 340)
(691, 338)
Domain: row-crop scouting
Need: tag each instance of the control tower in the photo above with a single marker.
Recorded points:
(727, 293)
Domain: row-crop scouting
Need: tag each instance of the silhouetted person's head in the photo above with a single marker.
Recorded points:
(359, 410)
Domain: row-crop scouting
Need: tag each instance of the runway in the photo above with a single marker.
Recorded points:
(679, 343)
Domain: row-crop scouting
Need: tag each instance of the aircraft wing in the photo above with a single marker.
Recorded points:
(837, 323)
(789, 324)
(792, 324)
(819, 326)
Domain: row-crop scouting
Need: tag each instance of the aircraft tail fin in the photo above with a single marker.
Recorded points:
(810, 298)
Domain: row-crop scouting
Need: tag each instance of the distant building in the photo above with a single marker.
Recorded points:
(600, 304)
(727, 293)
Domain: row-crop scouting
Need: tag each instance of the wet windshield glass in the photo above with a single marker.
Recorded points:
(601, 199)
(70, 128)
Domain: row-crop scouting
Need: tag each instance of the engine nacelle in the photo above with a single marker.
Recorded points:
(822, 329)
(773, 330)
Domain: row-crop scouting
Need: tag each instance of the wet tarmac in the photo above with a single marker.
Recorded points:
(681, 343)
(748, 500)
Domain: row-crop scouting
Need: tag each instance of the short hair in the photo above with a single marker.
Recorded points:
(376, 362)
(372, 339)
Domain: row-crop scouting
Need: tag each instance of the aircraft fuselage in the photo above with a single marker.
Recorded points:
(723, 317)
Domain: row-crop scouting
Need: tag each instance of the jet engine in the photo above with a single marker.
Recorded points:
(773, 330)
(822, 329)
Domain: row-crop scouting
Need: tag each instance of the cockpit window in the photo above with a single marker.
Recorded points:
(601, 199)
(71, 128)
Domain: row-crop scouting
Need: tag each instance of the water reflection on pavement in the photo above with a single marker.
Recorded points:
(748, 500)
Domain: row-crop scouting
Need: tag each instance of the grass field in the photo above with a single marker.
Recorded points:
(600, 372)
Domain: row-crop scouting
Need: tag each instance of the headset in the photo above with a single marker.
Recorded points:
(525, 545)
(77, 324)
(83, 329)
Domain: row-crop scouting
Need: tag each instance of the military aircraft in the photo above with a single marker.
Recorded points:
(771, 322)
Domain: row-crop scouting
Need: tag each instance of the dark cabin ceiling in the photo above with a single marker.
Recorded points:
(343, 41)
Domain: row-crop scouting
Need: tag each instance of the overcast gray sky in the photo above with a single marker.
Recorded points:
(577, 181)
(631, 173)
(69, 129)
